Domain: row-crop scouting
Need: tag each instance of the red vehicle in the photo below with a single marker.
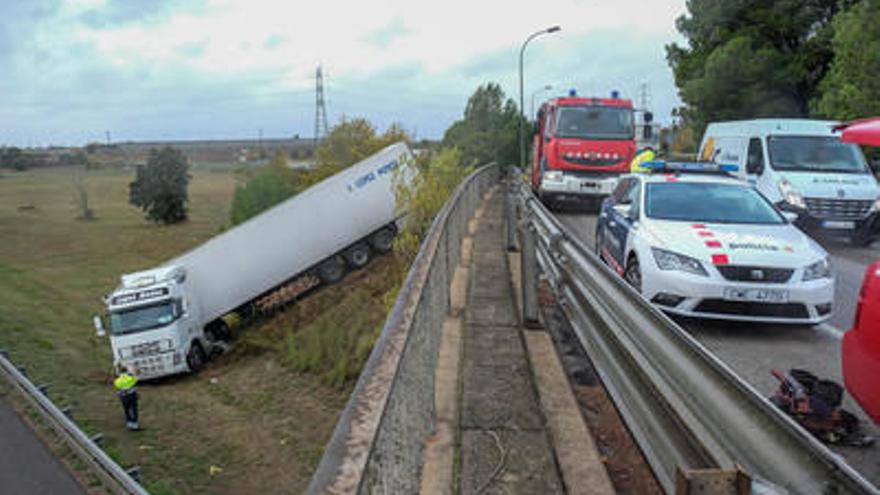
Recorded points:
(581, 146)
(861, 345)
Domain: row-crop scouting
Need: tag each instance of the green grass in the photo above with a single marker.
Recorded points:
(250, 413)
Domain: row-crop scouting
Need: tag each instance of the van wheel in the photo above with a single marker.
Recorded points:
(331, 270)
(358, 255)
(383, 240)
(195, 359)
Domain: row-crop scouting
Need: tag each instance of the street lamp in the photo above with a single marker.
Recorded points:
(534, 94)
(522, 141)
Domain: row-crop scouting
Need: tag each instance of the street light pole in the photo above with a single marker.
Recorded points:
(522, 141)
(534, 94)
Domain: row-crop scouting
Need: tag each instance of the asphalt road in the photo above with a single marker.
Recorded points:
(752, 350)
(27, 467)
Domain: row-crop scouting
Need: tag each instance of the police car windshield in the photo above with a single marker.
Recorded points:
(592, 122)
(815, 154)
(142, 318)
(708, 202)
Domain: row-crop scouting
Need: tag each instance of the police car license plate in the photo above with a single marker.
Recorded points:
(837, 224)
(756, 295)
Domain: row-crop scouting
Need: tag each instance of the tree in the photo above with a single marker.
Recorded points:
(851, 88)
(348, 143)
(15, 159)
(268, 187)
(489, 130)
(752, 58)
(160, 186)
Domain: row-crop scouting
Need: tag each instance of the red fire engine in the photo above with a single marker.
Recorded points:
(581, 146)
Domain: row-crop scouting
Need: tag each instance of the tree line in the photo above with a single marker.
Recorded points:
(777, 58)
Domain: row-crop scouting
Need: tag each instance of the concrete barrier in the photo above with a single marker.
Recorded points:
(378, 441)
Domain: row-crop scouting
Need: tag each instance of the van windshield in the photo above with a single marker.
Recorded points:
(815, 154)
(592, 122)
(143, 318)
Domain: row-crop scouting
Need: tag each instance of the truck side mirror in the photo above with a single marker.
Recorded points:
(99, 326)
(647, 132)
(648, 117)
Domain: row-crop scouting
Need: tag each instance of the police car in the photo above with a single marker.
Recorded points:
(698, 242)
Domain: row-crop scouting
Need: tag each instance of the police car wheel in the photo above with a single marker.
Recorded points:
(195, 359)
(633, 274)
(599, 245)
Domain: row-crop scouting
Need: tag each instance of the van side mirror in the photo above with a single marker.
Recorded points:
(99, 326)
(791, 216)
(754, 165)
(648, 117)
(647, 132)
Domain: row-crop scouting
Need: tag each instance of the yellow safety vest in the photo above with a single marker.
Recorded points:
(636, 165)
(125, 382)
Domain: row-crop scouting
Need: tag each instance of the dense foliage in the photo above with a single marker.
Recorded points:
(160, 186)
(267, 187)
(851, 89)
(15, 159)
(488, 132)
(753, 58)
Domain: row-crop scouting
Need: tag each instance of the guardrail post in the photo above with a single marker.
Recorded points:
(97, 438)
(135, 473)
(68, 411)
(529, 268)
(43, 388)
(510, 214)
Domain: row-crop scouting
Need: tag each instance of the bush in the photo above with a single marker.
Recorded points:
(265, 189)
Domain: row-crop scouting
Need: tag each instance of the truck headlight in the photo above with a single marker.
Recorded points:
(667, 260)
(791, 195)
(553, 176)
(819, 269)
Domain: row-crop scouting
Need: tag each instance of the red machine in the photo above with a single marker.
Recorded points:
(581, 146)
(861, 345)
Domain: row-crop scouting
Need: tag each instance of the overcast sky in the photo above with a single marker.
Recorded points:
(191, 69)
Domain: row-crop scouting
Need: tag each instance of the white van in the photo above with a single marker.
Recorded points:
(802, 166)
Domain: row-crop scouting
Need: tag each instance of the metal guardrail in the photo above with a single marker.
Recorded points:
(377, 444)
(114, 477)
(685, 408)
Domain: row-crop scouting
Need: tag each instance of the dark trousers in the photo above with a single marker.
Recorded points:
(130, 406)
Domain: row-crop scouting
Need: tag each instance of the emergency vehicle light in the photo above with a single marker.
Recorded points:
(664, 166)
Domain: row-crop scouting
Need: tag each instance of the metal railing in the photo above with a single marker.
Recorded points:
(112, 475)
(685, 408)
(378, 441)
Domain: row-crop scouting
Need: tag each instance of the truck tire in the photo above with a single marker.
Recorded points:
(331, 270)
(221, 331)
(383, 240)
(196, 358)
(358, 255)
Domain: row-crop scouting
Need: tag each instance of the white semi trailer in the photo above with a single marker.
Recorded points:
(167, 320)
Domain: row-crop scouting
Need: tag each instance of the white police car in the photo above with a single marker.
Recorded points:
(698, 242)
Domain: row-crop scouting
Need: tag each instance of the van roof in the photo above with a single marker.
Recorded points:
(765, 127)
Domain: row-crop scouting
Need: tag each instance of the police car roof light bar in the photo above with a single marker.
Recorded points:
(661, 166)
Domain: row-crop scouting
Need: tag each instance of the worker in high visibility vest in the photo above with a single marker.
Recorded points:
(126, 388)
(646, 155)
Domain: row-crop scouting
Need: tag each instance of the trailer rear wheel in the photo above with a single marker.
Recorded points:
(358, 255)
(331, 270)
(383, 240)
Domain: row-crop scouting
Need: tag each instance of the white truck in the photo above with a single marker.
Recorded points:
(168, 319)
(802, 166)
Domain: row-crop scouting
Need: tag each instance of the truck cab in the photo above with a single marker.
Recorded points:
(154, 329)
(581, 146)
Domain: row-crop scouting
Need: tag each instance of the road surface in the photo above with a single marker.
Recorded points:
(752, 350)
(27, 467)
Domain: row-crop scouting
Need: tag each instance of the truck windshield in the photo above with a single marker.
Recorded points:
(709, 202)
(815, 154)
(591, 122)
(142, 318)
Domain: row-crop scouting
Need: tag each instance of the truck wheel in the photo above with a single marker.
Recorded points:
(358, 255)
(221, 331)
(195, 359)
(383, 240)
(331, 270)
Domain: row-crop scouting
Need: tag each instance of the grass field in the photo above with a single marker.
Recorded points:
(251, 415)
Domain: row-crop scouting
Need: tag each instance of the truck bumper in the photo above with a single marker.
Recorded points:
(155, 366)
(573, 187)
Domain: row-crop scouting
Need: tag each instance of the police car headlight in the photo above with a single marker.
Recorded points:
(553, 176)
(819, 269)
(667, 260)
(791, 195)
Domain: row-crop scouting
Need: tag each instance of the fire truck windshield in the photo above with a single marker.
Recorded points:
(594, 122)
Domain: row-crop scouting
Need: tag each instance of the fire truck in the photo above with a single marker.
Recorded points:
(581, 145)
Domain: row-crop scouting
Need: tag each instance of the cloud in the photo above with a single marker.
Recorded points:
(115, 13)
(382, 37)
(274, 41)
